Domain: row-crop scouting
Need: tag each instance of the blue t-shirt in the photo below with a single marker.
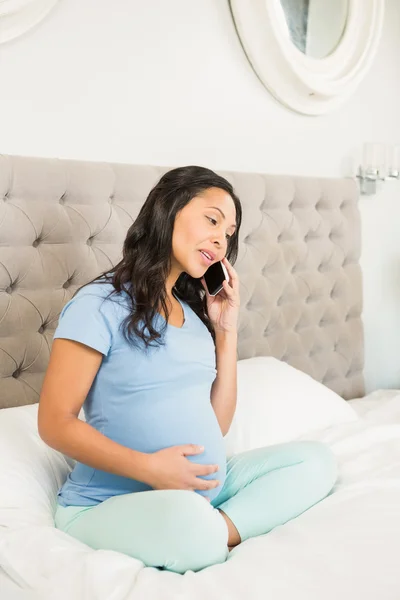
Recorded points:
(144, 400)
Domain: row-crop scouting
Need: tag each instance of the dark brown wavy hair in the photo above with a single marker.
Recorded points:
(147, 249)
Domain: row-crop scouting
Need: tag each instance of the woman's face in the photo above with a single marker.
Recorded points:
(202, 226)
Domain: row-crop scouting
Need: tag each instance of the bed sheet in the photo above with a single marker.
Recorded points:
(347, 546)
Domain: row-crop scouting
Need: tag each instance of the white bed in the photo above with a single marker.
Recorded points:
(61, 223)
(347, 547)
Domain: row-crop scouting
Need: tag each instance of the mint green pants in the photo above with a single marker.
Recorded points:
(179, 530)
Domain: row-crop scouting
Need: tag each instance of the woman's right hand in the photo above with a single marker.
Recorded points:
(170, 469)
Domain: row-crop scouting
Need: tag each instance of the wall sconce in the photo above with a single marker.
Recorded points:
(380, 162)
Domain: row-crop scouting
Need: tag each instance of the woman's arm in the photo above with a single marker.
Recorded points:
(71, 371)
(224, 388)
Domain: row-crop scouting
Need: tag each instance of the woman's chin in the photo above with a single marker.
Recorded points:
(197, 272)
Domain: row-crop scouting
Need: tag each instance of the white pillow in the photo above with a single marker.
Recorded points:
(278, 403)
(30, 472)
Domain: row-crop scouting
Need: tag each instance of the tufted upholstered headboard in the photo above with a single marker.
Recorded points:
(62, 222)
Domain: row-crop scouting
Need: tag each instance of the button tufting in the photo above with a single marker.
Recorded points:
(67, 284)
(36, 243)
(89, 241)
(62, 199)
(9, 289)
(41, 329)
(16, 373)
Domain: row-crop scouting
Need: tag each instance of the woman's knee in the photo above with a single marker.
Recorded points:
(197, 534)
(322, 464)
(183, 532)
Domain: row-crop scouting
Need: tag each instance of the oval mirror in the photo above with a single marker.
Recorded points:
(310, 54)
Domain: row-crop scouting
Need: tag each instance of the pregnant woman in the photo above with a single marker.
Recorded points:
(151, 357)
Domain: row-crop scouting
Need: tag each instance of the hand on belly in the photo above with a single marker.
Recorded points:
(176, 467)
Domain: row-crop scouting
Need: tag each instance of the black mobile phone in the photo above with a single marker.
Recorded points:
(214, 277)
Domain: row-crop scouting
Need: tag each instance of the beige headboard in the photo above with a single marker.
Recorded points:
(64, 221)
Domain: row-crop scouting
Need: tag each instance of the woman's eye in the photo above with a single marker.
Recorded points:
(215, 222)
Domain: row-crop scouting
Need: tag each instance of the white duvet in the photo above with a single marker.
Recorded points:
(345, 547)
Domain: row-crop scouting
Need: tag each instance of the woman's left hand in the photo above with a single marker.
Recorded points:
(223, 309)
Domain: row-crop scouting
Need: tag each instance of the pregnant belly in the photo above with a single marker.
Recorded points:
(186, 422)
(214, 454)
(201, 428)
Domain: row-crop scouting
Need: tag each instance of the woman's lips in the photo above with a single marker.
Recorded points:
(206, 261)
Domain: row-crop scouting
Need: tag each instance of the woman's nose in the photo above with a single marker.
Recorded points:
(219, 239)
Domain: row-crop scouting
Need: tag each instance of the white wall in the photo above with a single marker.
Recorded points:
(168, 83)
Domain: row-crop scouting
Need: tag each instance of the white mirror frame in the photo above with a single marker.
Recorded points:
(18, 16)
(307, 85)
